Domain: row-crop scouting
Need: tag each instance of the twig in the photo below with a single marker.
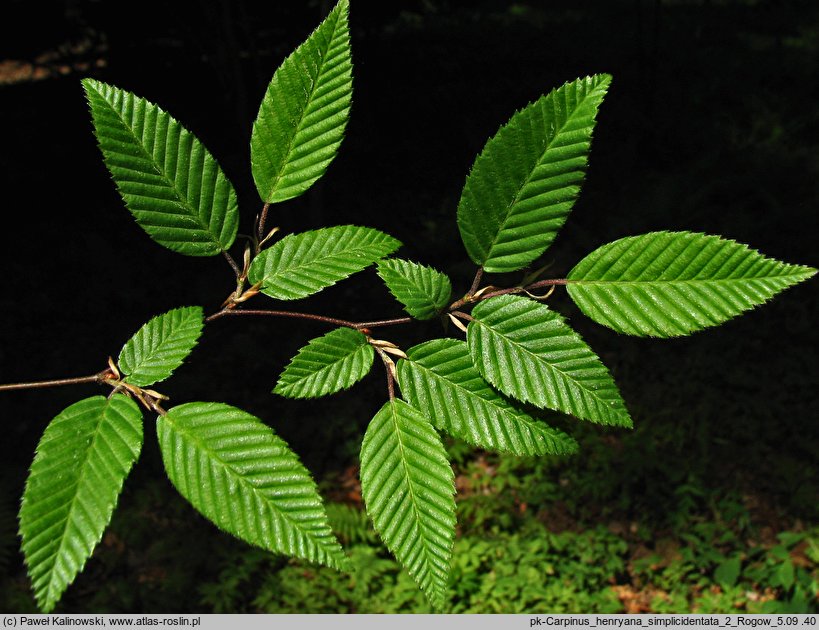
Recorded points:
(312, 316)
(262, 220)
(95, 378)
(232, 263)
(390, 369)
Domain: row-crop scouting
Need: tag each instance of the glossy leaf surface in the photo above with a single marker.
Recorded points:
(423, 291)
(525, 181)
(241, 476)
(302, 264)
(528, 352)
(326, 365)
(408, 488)
(80, 465)
(304, 112)
(160, 346)
(168, 179)
(439, 376)
(666, 284)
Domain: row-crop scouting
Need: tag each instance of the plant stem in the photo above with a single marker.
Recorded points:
(232, 263)
(384, 322)
(262, 220)
(94, 378)
(535, 285)
(319, 318)
(389, 366)
(476, 282)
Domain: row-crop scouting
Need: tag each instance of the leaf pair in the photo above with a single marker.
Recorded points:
(227, 463)
(86, 453)
(171, 183)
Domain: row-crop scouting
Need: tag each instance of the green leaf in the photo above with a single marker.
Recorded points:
(423, 291)
(302, 264)
(408, 489)
(525, 181)
(246, 480)
(168, 179)
(666, 284)
(528, 352)
(327, 365)
(74, 484)
(302, 117)
(439, 376)
(727, 573)
(160, 346)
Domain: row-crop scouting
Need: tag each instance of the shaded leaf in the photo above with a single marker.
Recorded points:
(160, 346)
(423, 291)
(666, 284)
(239, 474)
(302, 264)
(326, 365)
(80, 465)
(528, 352)
(525, 181)
(439, 376)
(408, 489)
(168, 179)
(302, 117)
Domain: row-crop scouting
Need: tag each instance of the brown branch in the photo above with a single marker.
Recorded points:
(535, 285)
(311, 316)
(262, 220)
(389, 367)
(95, 378)
(232, 264)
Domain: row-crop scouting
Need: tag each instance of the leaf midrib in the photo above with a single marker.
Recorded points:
(299, 128)
(529, 422)
(790, 276)
(603, 403)
(245, 483)
(183, 200)
(313, 262)
(516, 199)
(327, 366)
(404, 465)
(68, 518)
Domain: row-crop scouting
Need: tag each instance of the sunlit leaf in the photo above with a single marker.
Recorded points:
(423, 291)
(666, 284)
(302, 117)
(525, 181)
(245, 479)
(160, 346)
(80, 465)
(439, 376)
(326, 365)
(528, 352)
(302, 264)
(168, 179)
(408, 489)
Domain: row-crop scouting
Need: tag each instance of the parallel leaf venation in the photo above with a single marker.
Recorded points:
(423, 291)
(524, 183)
(304, 112)
(302, 264)
(666, 284)
(239, 474)
(326, 365)
(408, 488)
(529, 353)
(439, 376)
(160, 346)
(169, 181)
(80, 465)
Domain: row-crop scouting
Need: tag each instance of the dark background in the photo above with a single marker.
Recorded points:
(711, 125)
